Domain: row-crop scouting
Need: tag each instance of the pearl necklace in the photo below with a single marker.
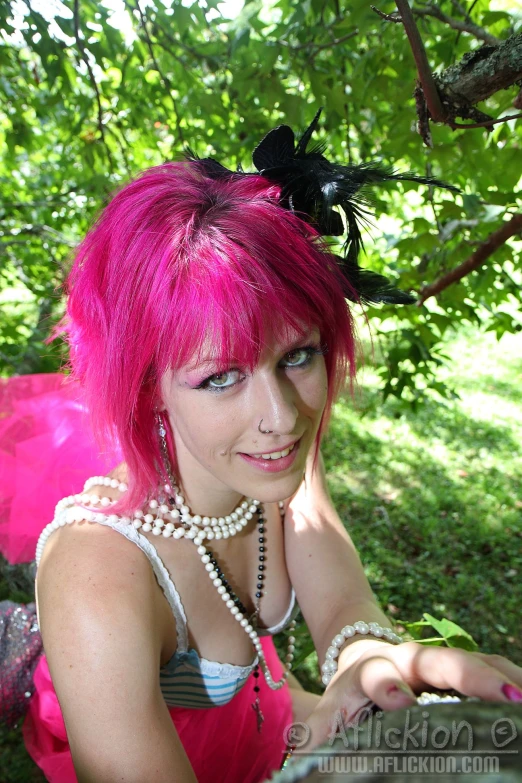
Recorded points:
(162, 520)
(76, 508)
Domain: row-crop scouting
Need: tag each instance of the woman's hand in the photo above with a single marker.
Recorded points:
(371, 671)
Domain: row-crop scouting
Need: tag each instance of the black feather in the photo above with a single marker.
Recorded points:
(313, 187)
(314, 184)
(370, 287)
(276, 148)
(212, 168)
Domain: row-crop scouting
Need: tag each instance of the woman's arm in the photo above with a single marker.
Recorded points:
(324, 567)
(333, 591)
(102, 636)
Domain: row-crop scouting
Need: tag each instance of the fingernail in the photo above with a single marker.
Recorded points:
(511, 693)
(401, 688)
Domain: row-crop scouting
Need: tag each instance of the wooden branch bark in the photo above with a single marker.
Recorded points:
(487, 123)
(480, 74)
(476, 259)
(85, 58)
(436, 109)
(443, 97)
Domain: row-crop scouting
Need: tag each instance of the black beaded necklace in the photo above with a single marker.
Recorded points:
(254, 617)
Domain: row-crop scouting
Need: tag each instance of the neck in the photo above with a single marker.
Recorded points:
(209, 501)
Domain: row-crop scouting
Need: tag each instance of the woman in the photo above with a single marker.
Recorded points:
(208, 327)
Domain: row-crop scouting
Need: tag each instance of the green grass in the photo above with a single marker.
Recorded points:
(433, 501)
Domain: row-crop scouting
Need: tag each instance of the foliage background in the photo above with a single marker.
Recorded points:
(90, 97)
(91, 94)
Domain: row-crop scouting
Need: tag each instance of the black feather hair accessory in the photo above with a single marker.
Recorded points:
(313, 187)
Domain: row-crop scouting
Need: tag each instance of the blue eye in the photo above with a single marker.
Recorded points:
(296, 359)
(221, 381)
(301, 357)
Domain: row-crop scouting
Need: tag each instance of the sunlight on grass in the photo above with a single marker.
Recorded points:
(433, 500)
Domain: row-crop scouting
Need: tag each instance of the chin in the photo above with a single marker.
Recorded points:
(276, 489)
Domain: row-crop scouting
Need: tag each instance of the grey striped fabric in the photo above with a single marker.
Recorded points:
(190, 681)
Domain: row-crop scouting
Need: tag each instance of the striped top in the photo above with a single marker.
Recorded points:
(187, 680)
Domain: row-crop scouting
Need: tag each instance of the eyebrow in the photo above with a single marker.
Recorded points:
(208, 361)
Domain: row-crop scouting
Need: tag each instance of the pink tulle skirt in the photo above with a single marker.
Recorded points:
(222, 743)
(47, 452)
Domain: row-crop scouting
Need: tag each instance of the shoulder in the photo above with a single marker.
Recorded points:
(101, 623)
(97, 576)
(86, 545)
(93, 561)
(94, 574)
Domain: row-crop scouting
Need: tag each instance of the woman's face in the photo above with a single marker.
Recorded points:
(215, 415)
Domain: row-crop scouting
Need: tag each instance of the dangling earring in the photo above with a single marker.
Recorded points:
(162, 432)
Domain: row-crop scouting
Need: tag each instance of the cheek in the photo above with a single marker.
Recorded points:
(202, 427)
(314, 392)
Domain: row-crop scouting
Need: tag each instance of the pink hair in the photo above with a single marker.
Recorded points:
(178, 257)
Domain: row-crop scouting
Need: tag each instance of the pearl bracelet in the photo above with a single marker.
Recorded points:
(329, 667)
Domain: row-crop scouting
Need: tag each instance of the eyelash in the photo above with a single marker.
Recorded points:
(312, 350)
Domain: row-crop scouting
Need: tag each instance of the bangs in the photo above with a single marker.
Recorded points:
(231, 320)
(236, 295)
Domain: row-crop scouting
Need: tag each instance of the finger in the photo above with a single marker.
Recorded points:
(382, 682)
(512, 672)
(325, 722)
(452, 668)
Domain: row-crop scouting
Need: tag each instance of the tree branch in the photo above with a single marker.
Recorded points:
(457, 24)
(85, 59)
(319, 47)
(476, 259)
(436, 109)
(455, 92)
(481, 74)
(164, 79)
(387, 17)
(486, 123)
(156, 29)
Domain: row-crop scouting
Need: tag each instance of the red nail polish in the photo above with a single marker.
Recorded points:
(400, 689)
(511, 693)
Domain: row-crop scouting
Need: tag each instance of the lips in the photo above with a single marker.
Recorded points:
(273, 461)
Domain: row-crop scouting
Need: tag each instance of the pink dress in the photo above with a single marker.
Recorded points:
(43, 429)
(222, 743)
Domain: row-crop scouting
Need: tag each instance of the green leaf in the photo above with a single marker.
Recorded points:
(452, 634)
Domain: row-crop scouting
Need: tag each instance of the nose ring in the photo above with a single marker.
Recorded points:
(265, 432)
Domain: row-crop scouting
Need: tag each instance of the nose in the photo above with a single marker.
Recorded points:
(275, 402)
